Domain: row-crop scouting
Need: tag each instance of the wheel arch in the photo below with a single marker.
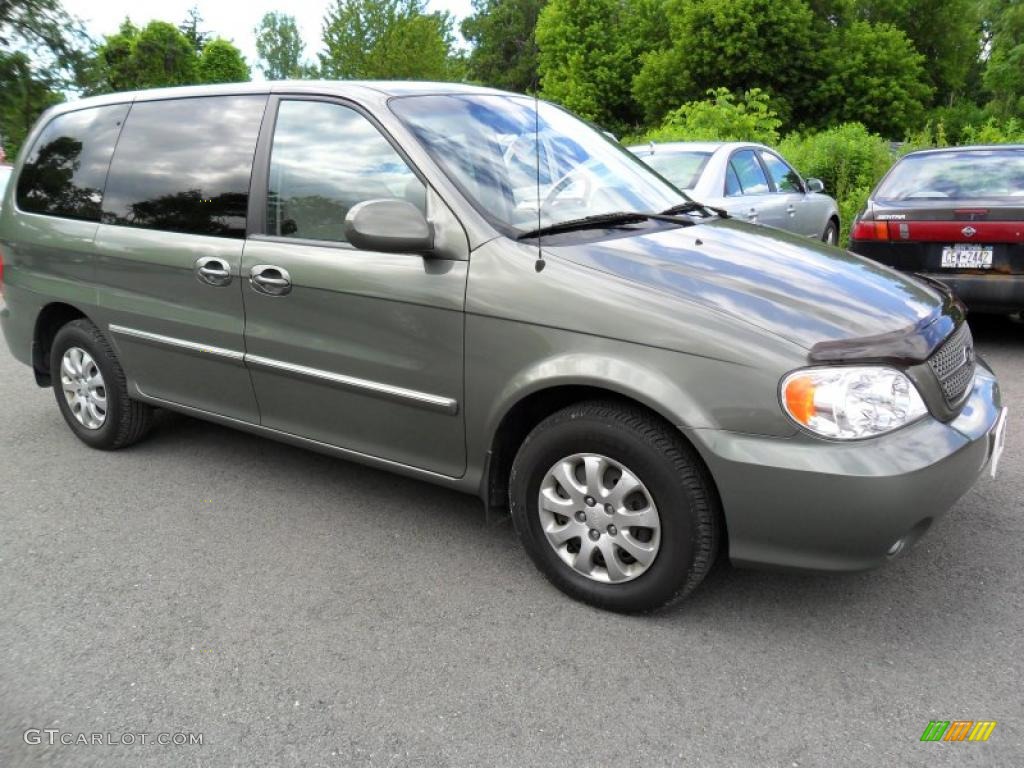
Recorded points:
(51, 318)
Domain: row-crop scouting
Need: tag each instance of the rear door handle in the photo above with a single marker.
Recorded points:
(270, 280)
(791, 211)
(752, 214)
(212, 271)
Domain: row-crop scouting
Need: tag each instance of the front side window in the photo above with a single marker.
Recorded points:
(183, 165)
(749, 173)
(525, 164)
(66, 169)
(785, 178)
(325, 159)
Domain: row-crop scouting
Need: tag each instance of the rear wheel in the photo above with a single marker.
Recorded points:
(92, 391)
(614, 507)
(831, 233)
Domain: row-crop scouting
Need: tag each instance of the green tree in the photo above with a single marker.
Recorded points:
(385, 39)
(504, 53)
(589, 53)
(721, 117)
(190, 29)
(1004, 71)
(221, 62)
(769, 44)
(158, 55)
(875, 76)
(946, 32)
(24, 93)
(279, 47)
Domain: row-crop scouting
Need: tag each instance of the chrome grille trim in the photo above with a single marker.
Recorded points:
(953, 365)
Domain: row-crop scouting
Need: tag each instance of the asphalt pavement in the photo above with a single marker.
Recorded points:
(288, 608)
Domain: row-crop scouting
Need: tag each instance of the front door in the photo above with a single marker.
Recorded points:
(794, 212)
(748, 193)
(356, 349)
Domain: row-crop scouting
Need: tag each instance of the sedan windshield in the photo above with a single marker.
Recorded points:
(681, 168)
(526, 164)
(975, 173)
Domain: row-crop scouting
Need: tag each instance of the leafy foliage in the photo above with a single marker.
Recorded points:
(876, 77)
(721, 117)
(221, 62)
(279, 47)
(1004, 74)
(388, 39)
(769, 44)
(589, 53)
(504, 51)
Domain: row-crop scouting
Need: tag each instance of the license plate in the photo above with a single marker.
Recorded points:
(967, 256)
(998, 443)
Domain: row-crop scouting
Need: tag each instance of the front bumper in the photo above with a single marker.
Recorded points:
(809, 503)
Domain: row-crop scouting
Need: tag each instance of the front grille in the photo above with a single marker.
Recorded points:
(953, 364)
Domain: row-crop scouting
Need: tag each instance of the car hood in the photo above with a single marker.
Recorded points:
(834, 303)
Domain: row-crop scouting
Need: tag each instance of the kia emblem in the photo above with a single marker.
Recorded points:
(968, 231)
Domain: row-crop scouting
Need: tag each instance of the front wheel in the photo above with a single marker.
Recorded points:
(614, 507)
(91, 389)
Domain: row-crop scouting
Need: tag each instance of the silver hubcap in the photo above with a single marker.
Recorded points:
(599, 518)
(84, 389)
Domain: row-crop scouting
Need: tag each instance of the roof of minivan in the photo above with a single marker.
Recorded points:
(349, 88)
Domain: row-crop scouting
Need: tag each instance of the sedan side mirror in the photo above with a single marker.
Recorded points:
(815, 185)
(391, 226)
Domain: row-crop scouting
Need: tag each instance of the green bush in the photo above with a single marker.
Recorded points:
(1009, 131)
(721, 117)
(848, 159)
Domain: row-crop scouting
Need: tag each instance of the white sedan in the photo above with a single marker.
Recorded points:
(750, 181)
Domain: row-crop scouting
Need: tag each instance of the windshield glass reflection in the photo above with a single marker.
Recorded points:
(511, 156)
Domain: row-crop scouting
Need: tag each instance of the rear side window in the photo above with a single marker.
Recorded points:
(184, 165)
(66, 169)
(681, 168)
(749, 173)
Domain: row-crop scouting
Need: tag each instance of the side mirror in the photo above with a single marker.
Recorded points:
(815, 185)
(392, 226)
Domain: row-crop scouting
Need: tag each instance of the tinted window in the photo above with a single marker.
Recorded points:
(976, 173)
(749, 173)
(184, 165)
(66, 169)
(681, 168)
(785, 178)
(325, 159)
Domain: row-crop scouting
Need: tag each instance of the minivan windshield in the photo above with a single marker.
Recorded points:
(511, 154)
(957, 175)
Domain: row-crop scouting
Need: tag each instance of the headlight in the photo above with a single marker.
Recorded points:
(849, 403)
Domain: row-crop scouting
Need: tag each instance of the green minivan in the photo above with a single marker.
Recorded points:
(477, 289)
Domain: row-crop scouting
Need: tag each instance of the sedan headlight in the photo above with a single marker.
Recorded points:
(849, 403)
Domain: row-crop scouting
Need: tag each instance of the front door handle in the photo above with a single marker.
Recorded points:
(212, 271)
(752, 214)
(791, 211)
(270, 280)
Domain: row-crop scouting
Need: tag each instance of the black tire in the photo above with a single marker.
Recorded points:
(127, 421)
(663, 461)
(831, 234)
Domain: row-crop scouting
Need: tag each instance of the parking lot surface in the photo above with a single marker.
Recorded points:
(293, 609)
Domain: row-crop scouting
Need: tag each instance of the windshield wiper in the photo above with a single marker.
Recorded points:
(692, 206)
(609, 220)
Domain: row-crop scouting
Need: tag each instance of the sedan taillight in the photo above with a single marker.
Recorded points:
(870, 230)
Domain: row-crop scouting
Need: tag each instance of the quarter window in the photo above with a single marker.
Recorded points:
(183, 165)
(750, 176)
(785, 178)
(325, 159)
(66, 169)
